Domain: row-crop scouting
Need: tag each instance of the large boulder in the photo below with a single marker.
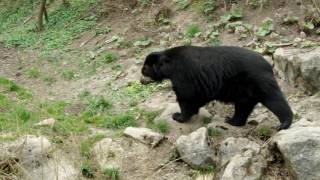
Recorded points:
(300, 67)
(300, 147)
(233, 146)
(244, 166)
(242, 159)
(194, 149)
(108, 153)
(36, 159)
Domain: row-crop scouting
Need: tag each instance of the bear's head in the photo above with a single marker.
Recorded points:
(157, 66)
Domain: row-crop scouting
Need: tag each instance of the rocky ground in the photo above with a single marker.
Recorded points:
(91, 121)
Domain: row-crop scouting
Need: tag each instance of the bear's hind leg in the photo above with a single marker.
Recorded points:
(241, 114)
(279, 106)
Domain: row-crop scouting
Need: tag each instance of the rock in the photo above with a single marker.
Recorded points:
(244, 166)
(303, 35)
(194, 149)
(300, 147)
(205, 177)
(176, 128)
(144, 135)
(305, 123)
(36, 158)
(108, 153)
(232, 146)
(258, 119)
(309, 108)
(269, 60)
(221, 125)
(56, 167)
(46, 122)
(299, 67)
(30, 150)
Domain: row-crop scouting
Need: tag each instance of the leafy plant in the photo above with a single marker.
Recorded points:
(266, 27)
(181, 4)
(65, 25)
(162, 127)
(98, 105)
(144, 3)
(193, 30)
(119, 121)
(209, 6)
(68, 74)
(109, 57)
(88, 170)
(308, 26)
(214, 132)
(111, 174)
(235, 14)
(143, 42)
(33, 72)
(288, 20)
(264, 132)
(11, 86)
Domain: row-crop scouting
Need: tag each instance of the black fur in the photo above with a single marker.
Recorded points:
(228, 74)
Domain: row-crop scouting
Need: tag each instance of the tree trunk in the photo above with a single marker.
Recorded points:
(42, 11)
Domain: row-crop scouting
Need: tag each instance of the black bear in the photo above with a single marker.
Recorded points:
(224, 73)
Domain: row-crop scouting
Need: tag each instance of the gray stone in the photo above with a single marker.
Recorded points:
(309, 108)
(205, 177)
(258, 119)
(108, 153)
(194, 149)
(38, 160)
(244, 166)
(269, 60)
(58, 166)
(299, 67)
(144, 135)
(233, 146)
(300, 147)
(30, 150)
(46, 122)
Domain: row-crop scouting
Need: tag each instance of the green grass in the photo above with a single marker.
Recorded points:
(214, 132)
(10, 86)
(68, 74)
(162, 127)
(98, 104)
(148, 116)
(119, 121)
(19, 115)
(49, 79)
(205, 171)
(88, 167)
(33, 72)
(264, 132)
(109, 58)
(65, 24)
(111, 174)
(205, 7)
(193, 30)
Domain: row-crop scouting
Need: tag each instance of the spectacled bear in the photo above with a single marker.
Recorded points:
(224, 73)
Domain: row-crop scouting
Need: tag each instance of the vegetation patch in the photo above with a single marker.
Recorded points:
(65, 24)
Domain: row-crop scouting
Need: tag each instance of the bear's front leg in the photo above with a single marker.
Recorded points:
(188, 109)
